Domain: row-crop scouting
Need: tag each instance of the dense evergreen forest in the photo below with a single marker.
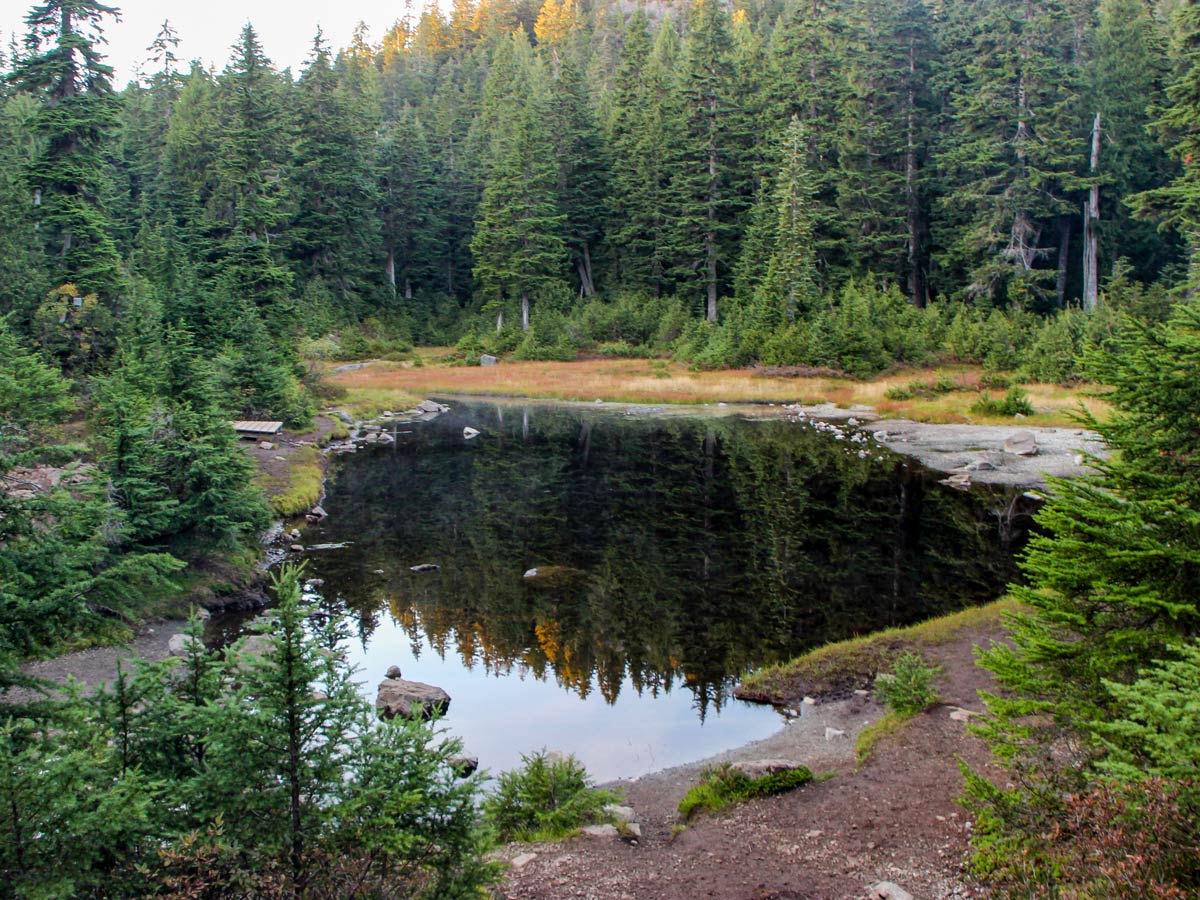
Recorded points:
(810, 184)
(841, 184)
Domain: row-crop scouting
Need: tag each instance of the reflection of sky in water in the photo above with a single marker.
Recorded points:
(501, 717)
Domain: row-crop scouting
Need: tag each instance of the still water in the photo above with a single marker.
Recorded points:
(674, 554)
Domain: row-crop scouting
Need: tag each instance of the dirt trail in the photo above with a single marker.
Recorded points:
(896, 819)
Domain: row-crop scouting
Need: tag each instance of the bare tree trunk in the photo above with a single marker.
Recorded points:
(389, 269)
(499, 321)
(916, 276)
(586, 284)
(1064, 254)
(1091, 229)
(524, 311)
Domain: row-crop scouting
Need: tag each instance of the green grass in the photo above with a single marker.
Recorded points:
(869, 737)
(298, 489)
(723, 785)
(852, 663)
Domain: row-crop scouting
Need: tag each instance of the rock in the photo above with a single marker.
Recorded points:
(344, 416)
(958, 714)
(488, 360)
(294, 534)
(601, 831)
(470, 432)
(980, 465)
(622, 814)
(265, 445)
(886, 890)
(522, 860)
(319, 512)
(631, 831)
(862, 693)
(760, 768)
(398, 697)
(335, 546)
(809, 701)
(960, 481)
(431, 406)
(393, 672)
(180, 644)
(425, 567)
(852, 422)
(1021, 443)
(464, 766)
(314, 583)
(831, 733)
(297, 548)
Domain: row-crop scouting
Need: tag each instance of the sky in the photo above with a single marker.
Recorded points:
(208, 28)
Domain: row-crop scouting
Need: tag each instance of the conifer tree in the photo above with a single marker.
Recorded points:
(1177, 205)
(518, 246)
(77, 112)
(411, 219)
(647, 138)
(791, 271)
(707, 189)
(246, 205)
(333, 233)
(1013, 150)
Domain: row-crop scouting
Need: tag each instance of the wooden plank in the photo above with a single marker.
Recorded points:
(257, 427)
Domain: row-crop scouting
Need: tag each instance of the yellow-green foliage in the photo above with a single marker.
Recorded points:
(869, 737)
(724, 785)
(298, 488)
(857, 660)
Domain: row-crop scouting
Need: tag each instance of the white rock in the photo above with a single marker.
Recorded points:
(809, 701)
(524, 859)
(620, 813)
(470, 432)
(886, 890)
(632, 830)
(831, 733)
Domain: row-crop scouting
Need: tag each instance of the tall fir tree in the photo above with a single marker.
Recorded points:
(518, 245)
(75, 118)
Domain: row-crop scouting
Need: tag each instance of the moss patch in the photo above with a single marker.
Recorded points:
(725, 785)
(846, 665)
(296, 487)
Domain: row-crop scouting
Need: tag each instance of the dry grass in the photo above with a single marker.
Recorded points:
(383, 385)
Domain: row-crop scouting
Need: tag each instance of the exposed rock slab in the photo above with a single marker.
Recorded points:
(981, 450)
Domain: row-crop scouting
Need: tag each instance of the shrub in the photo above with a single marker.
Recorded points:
(548, 798)
(724, 785)
(908, 688)
(1015, 402)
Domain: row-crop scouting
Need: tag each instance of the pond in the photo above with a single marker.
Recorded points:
(673, 555)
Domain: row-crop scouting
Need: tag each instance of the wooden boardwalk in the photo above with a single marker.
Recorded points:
(257, 429)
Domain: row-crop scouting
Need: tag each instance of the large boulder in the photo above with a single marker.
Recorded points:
(432, 406)
(488, 360)
(1021, 443)
(400, 697)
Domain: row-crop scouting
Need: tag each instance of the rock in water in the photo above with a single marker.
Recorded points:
(470, 432)
(551, 576)
(431, 406)
(398, 697)
(425, 567)
(1021, 443)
